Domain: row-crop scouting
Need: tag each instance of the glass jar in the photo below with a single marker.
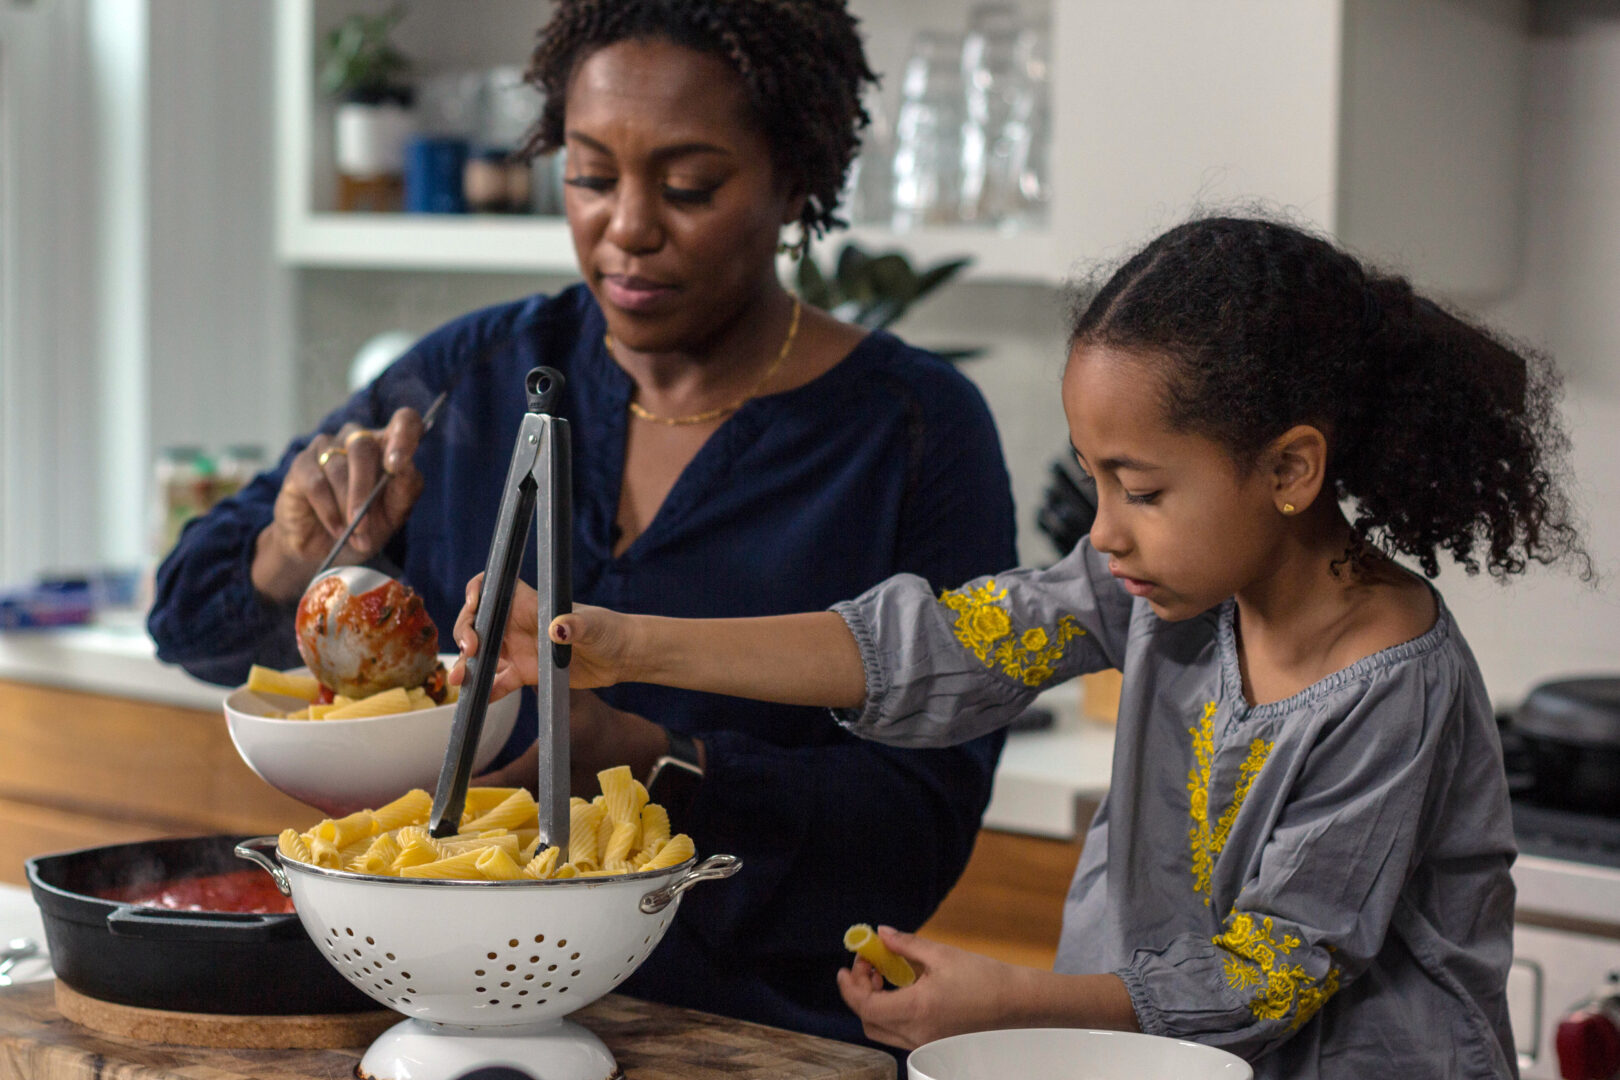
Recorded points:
(928, 133)
(182, 484)
(238, 465)
(1001, 103)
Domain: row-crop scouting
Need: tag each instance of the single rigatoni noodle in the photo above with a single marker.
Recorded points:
(863, 941)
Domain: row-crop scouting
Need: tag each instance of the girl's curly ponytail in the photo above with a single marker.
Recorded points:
(1442, 436)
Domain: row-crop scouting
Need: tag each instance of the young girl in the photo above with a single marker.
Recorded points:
(1304, 853)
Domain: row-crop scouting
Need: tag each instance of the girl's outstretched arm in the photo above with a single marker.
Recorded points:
(958, 991)
(808, 659)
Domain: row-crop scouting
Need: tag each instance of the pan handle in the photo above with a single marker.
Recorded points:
(164, 924)
(713, 868)
(255, 851)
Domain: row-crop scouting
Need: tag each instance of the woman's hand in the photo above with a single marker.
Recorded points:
(324, 488)
(600, 639)
(956, 991)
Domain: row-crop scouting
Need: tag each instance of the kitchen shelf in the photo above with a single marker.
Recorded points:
(429, 242)
(1395, 126)
(311, 233)
(542, 244)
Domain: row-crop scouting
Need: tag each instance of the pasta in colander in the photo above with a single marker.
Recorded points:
(618, 832)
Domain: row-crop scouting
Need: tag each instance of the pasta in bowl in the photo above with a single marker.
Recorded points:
(505, 955)
(340, 764)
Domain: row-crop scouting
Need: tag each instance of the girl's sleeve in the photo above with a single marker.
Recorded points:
(942, 669)
(1350, 821)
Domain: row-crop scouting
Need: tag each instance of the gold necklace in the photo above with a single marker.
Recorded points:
(707, 415)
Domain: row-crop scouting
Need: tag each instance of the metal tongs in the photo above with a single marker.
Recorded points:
(539, 482)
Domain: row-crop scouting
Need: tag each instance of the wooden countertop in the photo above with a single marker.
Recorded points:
(650, 1042)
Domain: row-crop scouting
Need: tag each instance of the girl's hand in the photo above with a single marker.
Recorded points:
(518, 664)
(956, 991)
(601, 641)
(324, 488)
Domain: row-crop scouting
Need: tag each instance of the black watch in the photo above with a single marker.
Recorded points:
(675, 776)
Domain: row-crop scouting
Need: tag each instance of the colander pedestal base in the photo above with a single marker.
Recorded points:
(550, 1050)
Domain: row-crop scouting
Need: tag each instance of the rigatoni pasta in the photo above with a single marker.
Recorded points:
(264, 680)
(617, 832)
(863, 941)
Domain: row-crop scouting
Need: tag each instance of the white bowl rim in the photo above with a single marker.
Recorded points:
(1197, 1047)
(347, 721)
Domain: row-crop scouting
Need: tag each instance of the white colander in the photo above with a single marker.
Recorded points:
(463, 957)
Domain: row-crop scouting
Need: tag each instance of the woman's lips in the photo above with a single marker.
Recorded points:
(634, 293)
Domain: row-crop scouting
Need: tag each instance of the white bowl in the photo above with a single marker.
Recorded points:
(340, 766)
(1071, 1054)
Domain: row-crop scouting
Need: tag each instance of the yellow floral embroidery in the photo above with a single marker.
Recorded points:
(1255, 958)
(1206, 840)
(985, 628)
(1199, 836)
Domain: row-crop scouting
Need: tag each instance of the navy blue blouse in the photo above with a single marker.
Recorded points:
(887, 463)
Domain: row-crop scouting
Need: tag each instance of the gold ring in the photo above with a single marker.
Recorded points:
(348, 440)
(326, 455)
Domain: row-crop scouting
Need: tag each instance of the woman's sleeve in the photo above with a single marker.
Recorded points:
(1327, 882)
(942, 669)
(206, 615)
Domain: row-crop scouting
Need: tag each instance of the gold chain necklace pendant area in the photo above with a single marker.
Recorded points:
(724, 410)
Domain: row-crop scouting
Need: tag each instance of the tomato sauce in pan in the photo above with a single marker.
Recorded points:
(240, 891)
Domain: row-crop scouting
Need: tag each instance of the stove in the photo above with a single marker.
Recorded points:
(1566, 937)
(1570, 835)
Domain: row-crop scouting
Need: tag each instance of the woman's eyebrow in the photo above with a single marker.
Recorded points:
(663, 153)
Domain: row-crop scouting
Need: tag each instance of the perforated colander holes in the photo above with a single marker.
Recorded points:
(369, 970)
(503, 982)
(634, 960)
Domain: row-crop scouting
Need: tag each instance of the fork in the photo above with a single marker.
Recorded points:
(16, 949)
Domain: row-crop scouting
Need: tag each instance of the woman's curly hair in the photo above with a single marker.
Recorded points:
(1444, 436)
(800, 61)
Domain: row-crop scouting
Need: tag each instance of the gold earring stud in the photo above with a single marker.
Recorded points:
(1288, 508)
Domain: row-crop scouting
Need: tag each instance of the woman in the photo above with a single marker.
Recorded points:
(735, 454)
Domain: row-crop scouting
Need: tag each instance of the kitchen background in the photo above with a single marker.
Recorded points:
(173, 275)
(174, 271)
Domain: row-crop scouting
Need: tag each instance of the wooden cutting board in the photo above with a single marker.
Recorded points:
(650, 1042)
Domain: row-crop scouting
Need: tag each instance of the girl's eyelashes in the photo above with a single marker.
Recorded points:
(590, 183)
(1146, 498)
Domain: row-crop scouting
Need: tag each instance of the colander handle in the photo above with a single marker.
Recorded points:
(713, 868)
(254, 851)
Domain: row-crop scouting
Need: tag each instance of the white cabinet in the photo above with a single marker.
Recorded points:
(1395, 125)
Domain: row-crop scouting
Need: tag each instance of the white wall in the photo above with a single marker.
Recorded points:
(1568, 303)
(141, 303)
(218, 319)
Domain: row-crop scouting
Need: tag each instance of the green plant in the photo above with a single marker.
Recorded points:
(357, 62)
(875, 290)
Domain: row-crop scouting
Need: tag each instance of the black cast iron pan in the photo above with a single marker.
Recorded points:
(205, 962)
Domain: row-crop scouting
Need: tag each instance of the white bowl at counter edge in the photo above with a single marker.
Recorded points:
(1071, 1054)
